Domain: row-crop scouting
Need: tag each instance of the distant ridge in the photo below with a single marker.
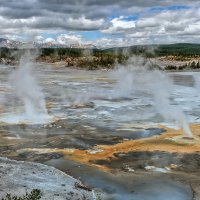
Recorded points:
(160, 49)
(12, 44)
(156, 49)
(8, 43)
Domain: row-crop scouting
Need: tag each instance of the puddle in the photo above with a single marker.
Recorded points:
(126, 186)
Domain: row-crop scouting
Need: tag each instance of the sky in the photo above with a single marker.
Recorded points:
(104, 23)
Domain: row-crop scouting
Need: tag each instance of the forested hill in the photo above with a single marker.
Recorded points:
(187, 49)
(178, 49)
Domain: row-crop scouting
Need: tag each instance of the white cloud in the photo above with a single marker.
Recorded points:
(167, 26)
(87, 23)
(31, 19)
(39, 38)
(66, 39)
(49, 39)
(119, 24)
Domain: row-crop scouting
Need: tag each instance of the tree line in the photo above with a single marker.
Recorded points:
(190, 65)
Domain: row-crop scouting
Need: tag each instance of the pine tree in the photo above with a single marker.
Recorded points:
(198, 65)
(193, 65)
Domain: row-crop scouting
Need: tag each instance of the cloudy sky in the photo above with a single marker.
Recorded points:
(101, 22)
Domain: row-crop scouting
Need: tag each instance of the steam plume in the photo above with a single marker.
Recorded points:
(138, 76)
(27, 90)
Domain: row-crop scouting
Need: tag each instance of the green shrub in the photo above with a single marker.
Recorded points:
(171, 67)
(35, 194)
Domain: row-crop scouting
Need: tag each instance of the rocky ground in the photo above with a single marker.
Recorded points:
(18, 177)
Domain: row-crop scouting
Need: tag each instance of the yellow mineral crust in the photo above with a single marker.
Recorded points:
(171, 141)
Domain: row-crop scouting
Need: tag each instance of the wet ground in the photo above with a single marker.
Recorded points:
(90, 111)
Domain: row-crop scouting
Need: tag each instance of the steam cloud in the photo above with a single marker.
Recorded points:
(28, 91)
(138, 76)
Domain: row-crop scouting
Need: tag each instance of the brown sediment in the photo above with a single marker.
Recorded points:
(49, 104)
(10, 141)
(172, 141)
(5, 89)
(2, 109)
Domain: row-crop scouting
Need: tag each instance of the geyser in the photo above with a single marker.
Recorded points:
(138, 76)
(26, 88)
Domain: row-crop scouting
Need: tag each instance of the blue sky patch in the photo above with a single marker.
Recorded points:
(174, 7)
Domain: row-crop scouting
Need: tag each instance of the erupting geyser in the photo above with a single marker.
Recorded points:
(25, 87)
(138, 76)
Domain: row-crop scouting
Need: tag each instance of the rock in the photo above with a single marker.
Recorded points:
(149, 168)
(173, 167)
(82, 105)
(18, 177)
(95, 150)
(157, 169)
(129, 169)
(188, 138)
